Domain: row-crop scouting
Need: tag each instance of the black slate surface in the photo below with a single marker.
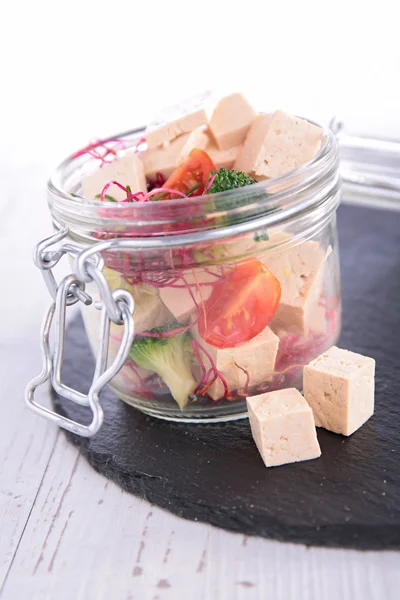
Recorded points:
(350, 497)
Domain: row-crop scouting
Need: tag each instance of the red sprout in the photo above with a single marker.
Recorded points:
(213, 370)
(102, 144)
(166, 191)
(216, 275)
(164, 334)
(160, 180)
(138, 197)
(201, 364)
(208, 384)
(246, 385)
(143, 388)
(181, 286)
(108, 185)
(129, 196)
(209, 183)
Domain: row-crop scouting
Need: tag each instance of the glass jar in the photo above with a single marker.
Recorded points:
(203, 273)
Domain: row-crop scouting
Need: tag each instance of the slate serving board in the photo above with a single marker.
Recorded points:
(350, 497)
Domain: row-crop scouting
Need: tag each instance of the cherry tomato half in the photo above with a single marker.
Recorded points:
(195, 170)
(241, 305)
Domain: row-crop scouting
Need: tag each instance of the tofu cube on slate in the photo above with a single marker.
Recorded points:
(339, 387)
(230, 120)
(299, 270)
(278, 143)
(127, 170)
(257, 357)
(283, 427)
(165, 132)
(179, 300)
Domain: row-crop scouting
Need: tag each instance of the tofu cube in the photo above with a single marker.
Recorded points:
(283, 428)
(277, 144)
(164, 133)
(198, 138)
(181, 301)
(165, 159)
(162, 159)
(299, 270)
(339, 387)
(257, 357)
(127, 170)
(253, 145)
(222, 158)
(230, 121)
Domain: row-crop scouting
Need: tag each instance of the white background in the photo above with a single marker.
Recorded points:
(83, 68)
(75, 70)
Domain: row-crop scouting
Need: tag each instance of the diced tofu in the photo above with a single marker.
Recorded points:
(277, 144)
(253, 146)
(299, 270)
(317, 322)
(181, 301)
(166, 132)
(150, 312)
(198, 138)
(127, 170)
(149, 309)
(222, 158)
(257, 357)
(164, 160)
(283, 427)
(230, 121)
(339, 387)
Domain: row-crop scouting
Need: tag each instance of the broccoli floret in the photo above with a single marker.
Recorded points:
(228, 180)
(170, 357)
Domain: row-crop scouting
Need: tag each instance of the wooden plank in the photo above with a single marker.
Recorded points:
(88, 539)
(26, 441)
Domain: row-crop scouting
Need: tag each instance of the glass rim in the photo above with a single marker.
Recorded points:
(229, 213)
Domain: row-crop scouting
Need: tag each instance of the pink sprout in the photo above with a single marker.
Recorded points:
(160, 179)
(166, 334)
(137, 197)
(163, 190)
(213, 370)
(108, 185)
(246, 385)
(201, 364)
(209, 184)
(102, 144)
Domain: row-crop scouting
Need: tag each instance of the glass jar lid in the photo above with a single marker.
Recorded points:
(370, 169)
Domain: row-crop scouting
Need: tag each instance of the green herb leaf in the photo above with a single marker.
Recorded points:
(261, 236)
(158, 197)
(193, 189)
(106, 197)
(227, 179)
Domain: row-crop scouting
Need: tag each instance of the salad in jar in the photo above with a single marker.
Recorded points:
(217, 320)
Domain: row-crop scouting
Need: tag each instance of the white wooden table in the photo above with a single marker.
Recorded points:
(69, 533)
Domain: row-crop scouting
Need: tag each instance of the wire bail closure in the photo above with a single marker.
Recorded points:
(116, 306)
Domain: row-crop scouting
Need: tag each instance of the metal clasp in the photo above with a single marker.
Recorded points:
(116, 306)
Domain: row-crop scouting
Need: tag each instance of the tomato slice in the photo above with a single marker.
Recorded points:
(240, 306)
(194, 171)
